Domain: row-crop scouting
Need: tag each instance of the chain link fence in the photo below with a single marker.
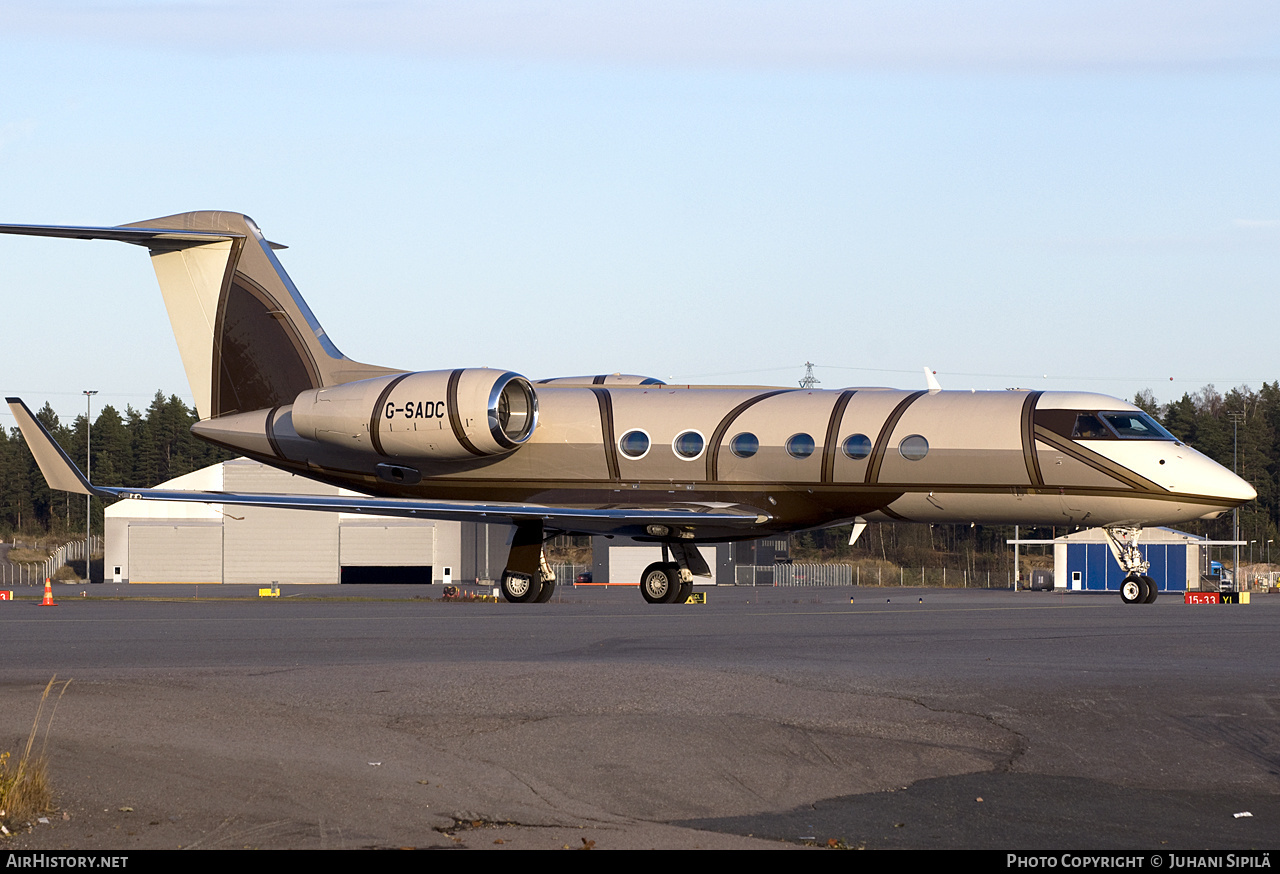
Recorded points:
(850, 575)
(34, 573)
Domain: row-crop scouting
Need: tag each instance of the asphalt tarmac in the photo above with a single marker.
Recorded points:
(764, 718)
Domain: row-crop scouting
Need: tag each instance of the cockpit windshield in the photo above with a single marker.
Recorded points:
(1104, 425)
(1137, 426)
(1089, 427)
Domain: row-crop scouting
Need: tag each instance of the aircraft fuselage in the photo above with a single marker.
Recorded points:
(808, 458)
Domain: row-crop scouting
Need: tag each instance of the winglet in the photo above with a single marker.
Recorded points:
(60, 472)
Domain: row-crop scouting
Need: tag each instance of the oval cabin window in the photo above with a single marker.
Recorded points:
(914, 448)
(634, 444)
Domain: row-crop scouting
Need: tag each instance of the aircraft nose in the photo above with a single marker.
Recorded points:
(1218, 482)
(1236, 489)
(1191, 473)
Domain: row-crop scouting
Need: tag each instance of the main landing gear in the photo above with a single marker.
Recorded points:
(662, 583)
(1137, 588)
(671, 582)
(527, 578)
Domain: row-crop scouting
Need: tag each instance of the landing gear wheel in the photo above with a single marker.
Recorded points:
(1134, 589)
(660, 583)
(544, 595)
(1152, 590)
(673, 573)
(520, 588)
(686, 589)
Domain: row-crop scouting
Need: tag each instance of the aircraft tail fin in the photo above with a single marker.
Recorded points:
(247, 338)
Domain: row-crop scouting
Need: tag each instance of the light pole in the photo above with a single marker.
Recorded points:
(88, 473)
(1235, 416)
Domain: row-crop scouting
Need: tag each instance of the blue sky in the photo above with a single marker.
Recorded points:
(1045, 195)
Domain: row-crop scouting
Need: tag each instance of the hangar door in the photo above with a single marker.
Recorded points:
(1100, 572)
(175, 553)
(386, 552)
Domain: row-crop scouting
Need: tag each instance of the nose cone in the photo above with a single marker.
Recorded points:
(1195, 474)
(1234, 489)
(1191, 473)
(1228, 488)
(1183, 471)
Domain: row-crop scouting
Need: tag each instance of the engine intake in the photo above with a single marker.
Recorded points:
(441, 414)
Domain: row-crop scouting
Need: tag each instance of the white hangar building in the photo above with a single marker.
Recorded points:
(178, 542)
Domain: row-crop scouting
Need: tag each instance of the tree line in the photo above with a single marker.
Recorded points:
(134, 449)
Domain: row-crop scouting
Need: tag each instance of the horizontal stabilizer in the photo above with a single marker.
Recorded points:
(152, 238)
(60, 472)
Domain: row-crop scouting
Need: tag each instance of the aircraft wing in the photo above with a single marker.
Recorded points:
(62, 474)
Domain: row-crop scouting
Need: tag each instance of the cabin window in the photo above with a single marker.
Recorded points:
(800, 446)
(857, 446)
(634, 444)
(745, 445)
(688, 445)
(914, 448)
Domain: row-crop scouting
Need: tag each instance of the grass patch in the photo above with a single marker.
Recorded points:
(24, 783)
(21, 554)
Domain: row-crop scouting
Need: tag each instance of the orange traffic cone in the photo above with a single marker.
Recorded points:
(48, 594)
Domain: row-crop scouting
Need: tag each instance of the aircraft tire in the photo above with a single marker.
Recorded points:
(658, 584)
(519, 588)
(1133, 589)
(545, 593)
(686, 589)
(1152, 590)
(673, 573)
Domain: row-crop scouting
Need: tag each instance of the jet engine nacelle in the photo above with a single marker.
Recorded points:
(440, 414)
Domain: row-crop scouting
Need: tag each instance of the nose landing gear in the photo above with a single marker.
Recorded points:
(1137, 588)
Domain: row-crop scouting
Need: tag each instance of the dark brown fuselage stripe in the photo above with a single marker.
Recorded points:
(1029, 454)
(829, 448)
(1099, 462)
(375, 418)
(605, 402)
(713, 454)
(271, 432)
(454, 419)
(882, 441)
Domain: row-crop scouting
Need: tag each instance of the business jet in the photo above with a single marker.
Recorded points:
(625, 455)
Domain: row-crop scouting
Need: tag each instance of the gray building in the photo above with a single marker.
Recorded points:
(161, 542)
